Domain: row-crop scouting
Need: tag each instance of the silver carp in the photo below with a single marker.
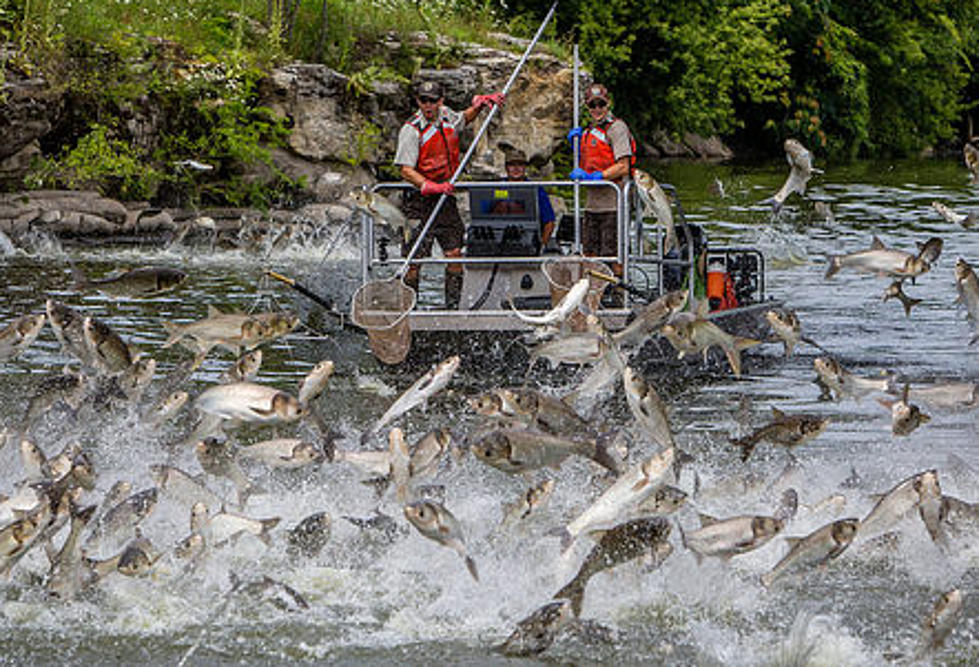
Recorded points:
(630, 489)
(418, 393)
(787, 430)
(819, 547)
(967, 220)
(17, 336)
(905, 417)
(726, 538)
(967, 285)
(842, 382)
(800, 171)
(900, 500)
(519, 450)
(537, 632)
(314, 382)
(249, 402)
(647, 407)
(650, 318)
(139, 282)
(879, 260)
(657, 205)
(568, 304)
(434, 521)
(283, 452)
(621, 544)
(939, 623)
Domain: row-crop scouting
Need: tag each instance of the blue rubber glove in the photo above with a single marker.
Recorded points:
(574, 133)
(580, 174)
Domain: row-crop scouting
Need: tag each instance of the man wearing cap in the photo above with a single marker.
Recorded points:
(607, 153)
(428, 155)
(516, 170)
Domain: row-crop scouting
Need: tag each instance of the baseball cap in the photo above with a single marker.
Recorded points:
(429, 89)
(596, 91)
(514, 156)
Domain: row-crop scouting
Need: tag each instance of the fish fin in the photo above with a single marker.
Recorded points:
(792, 541)
(604, 456)
(262, 412)
(887, 403)
(877, 244)
(706, 519)
(747, 446)
(471, 566)
(212, 311)
(767, 579)
(640, 484)
(566, 538)
(777, 414)
(835, 264)
(174, 333)
(573, 591)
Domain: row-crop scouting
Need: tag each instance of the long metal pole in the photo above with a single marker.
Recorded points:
(574, 150)
(472, 146)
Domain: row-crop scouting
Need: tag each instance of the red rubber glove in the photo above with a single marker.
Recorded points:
(433, 188)
(480, 101)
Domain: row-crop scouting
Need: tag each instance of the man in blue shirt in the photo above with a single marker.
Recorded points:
(516, 170)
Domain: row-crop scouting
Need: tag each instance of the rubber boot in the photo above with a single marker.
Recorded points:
(453, 290)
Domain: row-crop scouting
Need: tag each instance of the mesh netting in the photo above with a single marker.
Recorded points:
(381, 308)
(563, 274)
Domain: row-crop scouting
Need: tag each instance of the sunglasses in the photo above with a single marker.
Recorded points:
(428, 100)
(597, 104)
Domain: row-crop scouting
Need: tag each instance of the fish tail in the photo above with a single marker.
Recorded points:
(604, 456)
(908, 303)
(471, 566)
(267, 525)
(767, 578)
(573, 591)
(566, 538)
(747, 446)
(174, 333)
(835, 264)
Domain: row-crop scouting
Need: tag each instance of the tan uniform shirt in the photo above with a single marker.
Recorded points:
(603, 198)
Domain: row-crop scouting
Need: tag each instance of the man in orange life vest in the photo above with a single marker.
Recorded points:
(428, 154)
(608, 152)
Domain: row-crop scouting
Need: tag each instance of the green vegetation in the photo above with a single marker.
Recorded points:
(862, 78)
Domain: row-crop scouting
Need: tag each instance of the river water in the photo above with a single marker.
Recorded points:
(379, 598)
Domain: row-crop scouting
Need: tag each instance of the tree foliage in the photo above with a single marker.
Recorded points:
(865, 77)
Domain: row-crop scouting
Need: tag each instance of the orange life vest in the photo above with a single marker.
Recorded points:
(438, 148)
(596, 149)
(720, 290)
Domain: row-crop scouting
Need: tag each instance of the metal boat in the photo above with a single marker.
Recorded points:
(506, 267)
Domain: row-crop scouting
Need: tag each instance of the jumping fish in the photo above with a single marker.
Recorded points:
(647, 407)
(801, 170)
(382, 210)
(559, 313)
(819, 547)
(621, 544)
(939, 623)
(249, 402)
(788, 430)
(309, 536)
(437, 523)
(921, 491)
(629, 490)
(649, 320)
(283, 452)
(970, 153)
(17, 336)
(691, 332)
(657, 205)
(139, 282)
(520, 450)
(314, 382)
(968, 289)
(879, 260)
(842, 382)
(423, 388)
(529, 500)
(966, 220)
(533, 408)
(895, 291)
(537, 632)
(905, 417)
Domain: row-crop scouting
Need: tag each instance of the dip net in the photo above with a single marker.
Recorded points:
(381, 308)
(563, 274)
